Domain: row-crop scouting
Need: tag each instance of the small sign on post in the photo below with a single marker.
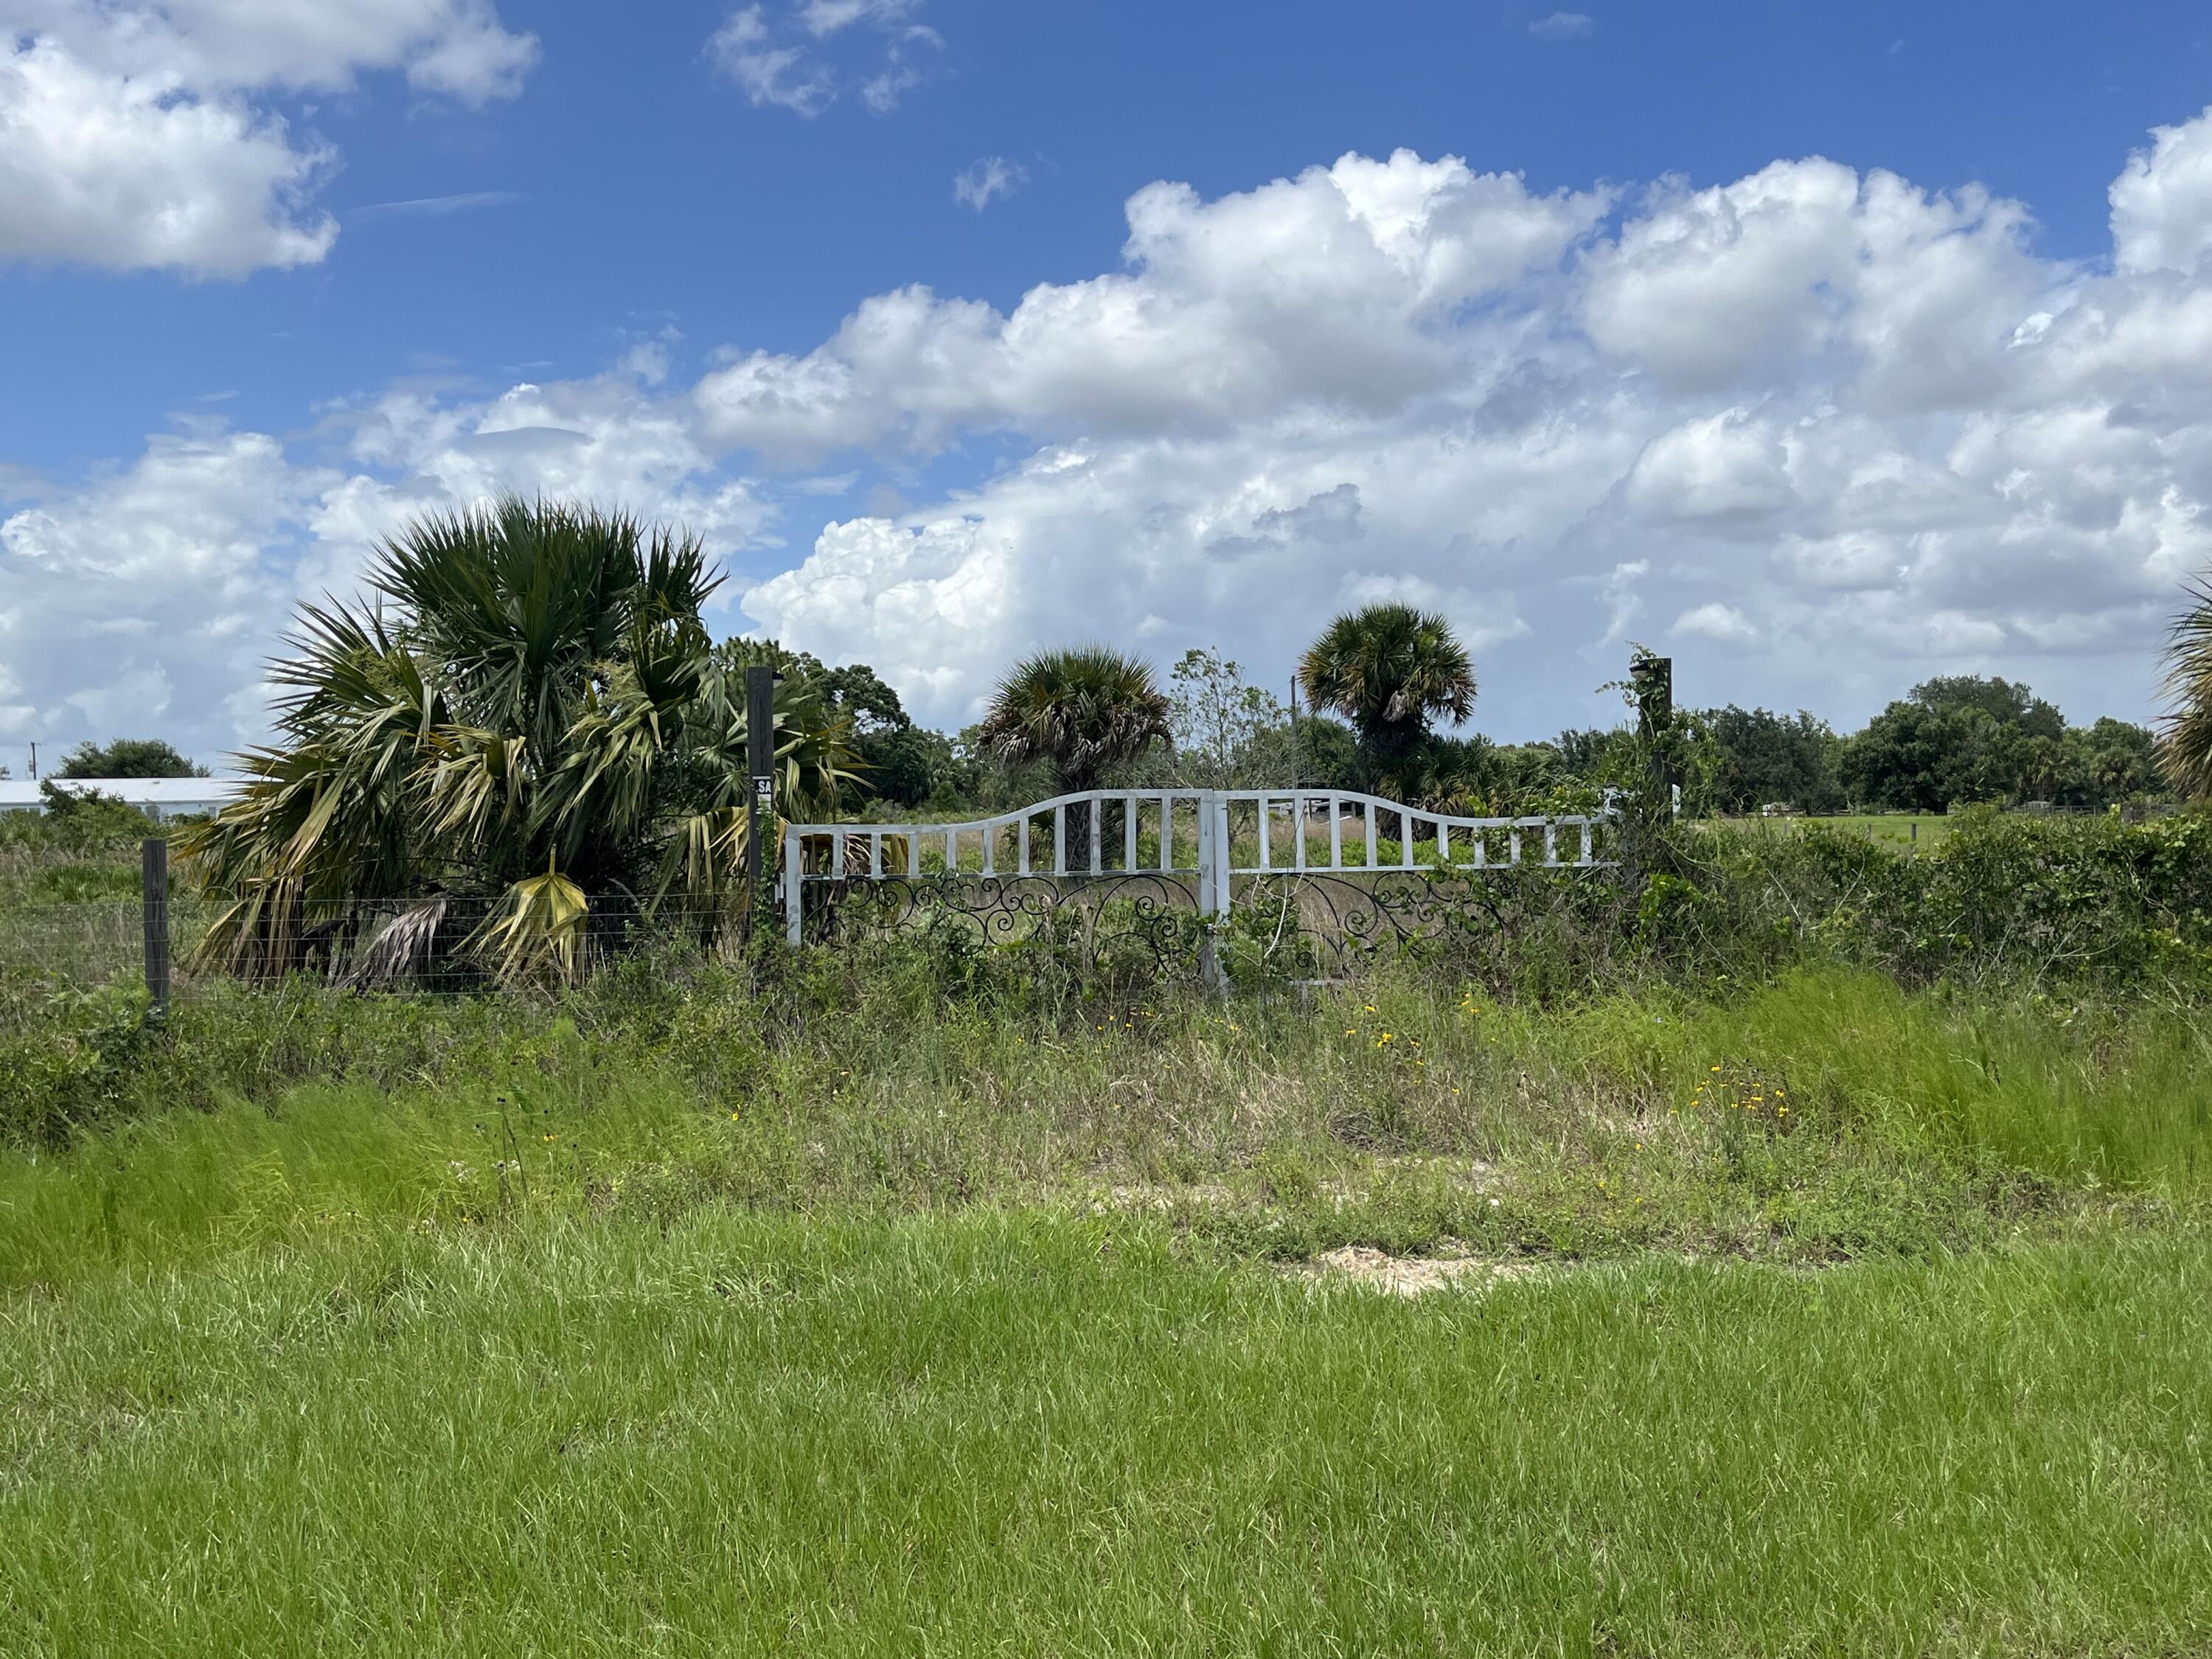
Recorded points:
(760, 762)
(153, 885)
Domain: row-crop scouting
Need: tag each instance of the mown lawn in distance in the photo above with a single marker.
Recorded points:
(1900, 831)
(1905, 830)
(1013, 1432)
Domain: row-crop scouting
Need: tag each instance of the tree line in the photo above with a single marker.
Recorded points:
(526, 721)
(1378, 682)
(1372, 723)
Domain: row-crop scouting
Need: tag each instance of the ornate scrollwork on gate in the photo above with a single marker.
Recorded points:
(1100, 926)
(1319, 925)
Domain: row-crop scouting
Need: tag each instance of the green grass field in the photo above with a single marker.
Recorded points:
(1909, 829)
(1020, 1432)
(1899, 831)
(1835, 1319)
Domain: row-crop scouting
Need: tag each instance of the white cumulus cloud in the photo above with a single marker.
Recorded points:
(2162, 202)
(1341, 285)
(139, 135)
(788, 57)
(1716, 621)
(149, 597)
(1823, 433)
(1853, 428)
(144, 602)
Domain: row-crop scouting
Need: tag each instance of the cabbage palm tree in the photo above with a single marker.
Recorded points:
(1087, 712)
(527, 713)
(2185, 743)
(1390, 669)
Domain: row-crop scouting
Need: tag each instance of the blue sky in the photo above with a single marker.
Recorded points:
(536, 246)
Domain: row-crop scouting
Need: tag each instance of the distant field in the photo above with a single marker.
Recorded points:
(1902, 830)
(1906, 828)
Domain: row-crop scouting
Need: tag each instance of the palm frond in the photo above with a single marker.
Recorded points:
(535, 931)
(402, 949)
(2185, 734)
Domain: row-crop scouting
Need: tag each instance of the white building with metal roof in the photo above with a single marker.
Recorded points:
(159, 798)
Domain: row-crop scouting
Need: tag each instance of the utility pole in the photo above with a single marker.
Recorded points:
(35, 760)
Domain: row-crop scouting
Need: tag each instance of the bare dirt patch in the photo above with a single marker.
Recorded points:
(1409, 1275)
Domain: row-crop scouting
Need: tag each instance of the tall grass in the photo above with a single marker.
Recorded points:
(1826, 1116)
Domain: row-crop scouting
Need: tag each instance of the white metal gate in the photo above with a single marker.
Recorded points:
(1207, 837)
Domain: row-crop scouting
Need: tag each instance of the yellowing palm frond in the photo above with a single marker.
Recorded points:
(535, 931)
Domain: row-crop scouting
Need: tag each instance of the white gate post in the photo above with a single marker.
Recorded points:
(792, 877)
(1205, 858)
(1213, 864)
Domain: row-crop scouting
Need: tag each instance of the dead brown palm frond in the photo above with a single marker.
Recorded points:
(256, 936)
(401, 951)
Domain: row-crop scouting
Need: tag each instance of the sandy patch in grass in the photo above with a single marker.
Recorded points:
(1409, 1275)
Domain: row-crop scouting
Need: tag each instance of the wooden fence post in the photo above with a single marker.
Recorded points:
(1654, 679)
(153, 885)
(760, 762)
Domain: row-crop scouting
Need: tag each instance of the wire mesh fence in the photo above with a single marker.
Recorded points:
(95, 941)
(1146, 927)
(85, 942)
(446, 944)
(455, 943)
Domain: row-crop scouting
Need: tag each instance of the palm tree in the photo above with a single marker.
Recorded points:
(1086, 712)
(2186, 742)
(528, 714)
(1390, 669)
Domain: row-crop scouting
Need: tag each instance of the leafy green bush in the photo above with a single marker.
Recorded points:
(77, 822)
(68, 1056)
(2004, 899)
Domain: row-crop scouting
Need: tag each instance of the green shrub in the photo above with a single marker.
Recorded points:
(2003, 900)
(68, 1056)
